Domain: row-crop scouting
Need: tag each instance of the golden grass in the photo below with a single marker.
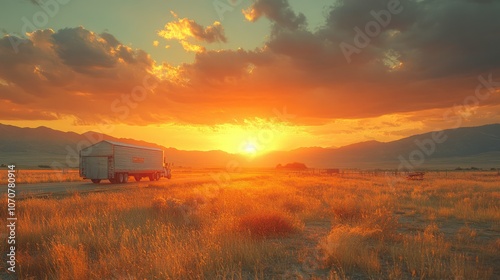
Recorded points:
(32, 176)
(264, 224)
(428, 255)
(350, 247)
(265, 227)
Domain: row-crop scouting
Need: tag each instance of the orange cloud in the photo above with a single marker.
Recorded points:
(191, 47)
(278, 11)
(185, 29)
(76, 73)
(250, 14)
(71, 73)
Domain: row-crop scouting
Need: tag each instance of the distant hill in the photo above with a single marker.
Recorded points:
(31, 147)
(468, 146)
(464, 147)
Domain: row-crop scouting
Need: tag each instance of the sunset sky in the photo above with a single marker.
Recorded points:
(254, 76)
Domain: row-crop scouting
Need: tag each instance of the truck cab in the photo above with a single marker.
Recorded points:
(167, 170)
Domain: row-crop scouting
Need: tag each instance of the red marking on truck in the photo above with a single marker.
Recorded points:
(137, 160)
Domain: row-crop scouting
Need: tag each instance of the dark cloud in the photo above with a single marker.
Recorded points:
(82, 48)
(278, 11)
(72, 72)
(451, 38)
(431, 38)
(213, 33)
(429, 54)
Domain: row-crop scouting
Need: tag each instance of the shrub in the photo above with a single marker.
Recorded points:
(159, 204)
(348, 209)
(349, 247)
(268, 224)
(171, 207)
(294, 204)
(466, 235)
(356, 211)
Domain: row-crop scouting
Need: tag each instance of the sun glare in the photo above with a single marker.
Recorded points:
(249, 148)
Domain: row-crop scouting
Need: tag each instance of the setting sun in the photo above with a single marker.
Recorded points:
(249, 148)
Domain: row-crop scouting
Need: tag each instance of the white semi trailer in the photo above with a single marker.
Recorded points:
(116, 161)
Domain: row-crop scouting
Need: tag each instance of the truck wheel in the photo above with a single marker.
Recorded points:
(113, 180)
(152, 177)
(137, 178)
(96, 181)
(120, 178)
(125, 177)
(158, 176)
(169, 176)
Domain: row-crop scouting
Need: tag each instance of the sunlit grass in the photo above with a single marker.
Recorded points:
(265, 228)
(30, 176)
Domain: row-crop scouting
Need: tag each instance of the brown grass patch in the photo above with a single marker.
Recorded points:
(263, 224)
(350, 247)
(72, 262)
(42, 176)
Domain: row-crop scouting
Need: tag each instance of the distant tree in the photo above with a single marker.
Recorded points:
(292, 166)
(295, 166)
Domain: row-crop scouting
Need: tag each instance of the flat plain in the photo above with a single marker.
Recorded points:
(267, 225)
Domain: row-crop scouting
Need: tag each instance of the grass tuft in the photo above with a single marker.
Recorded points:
(263, 224)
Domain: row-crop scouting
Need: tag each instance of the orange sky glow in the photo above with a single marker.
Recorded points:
(195, 80)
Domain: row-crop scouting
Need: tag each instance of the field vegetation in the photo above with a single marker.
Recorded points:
(32, 176)
(272, 226)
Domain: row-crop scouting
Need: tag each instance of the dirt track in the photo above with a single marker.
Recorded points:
(85, 186)
(65, 188)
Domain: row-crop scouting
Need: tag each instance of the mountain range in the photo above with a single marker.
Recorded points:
(448, 149)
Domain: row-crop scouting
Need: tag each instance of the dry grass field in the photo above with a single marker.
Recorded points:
(32, 176)
(272, 226)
